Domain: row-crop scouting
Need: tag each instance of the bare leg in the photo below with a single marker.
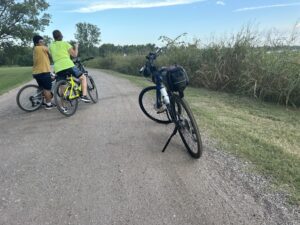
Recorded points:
(83, 84)
(48, 96)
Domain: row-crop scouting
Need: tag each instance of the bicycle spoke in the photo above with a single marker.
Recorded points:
(92, 89)
(61, 95)
(147, 101)
(188, 129)
(29, 98)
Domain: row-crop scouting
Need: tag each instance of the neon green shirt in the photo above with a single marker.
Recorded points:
(59, 51)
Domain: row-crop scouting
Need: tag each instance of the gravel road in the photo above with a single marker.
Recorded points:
(104, 166)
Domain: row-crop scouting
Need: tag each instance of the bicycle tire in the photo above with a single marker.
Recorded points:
(188, 128)
(34, 98)
(147, 99)
(64, 105)
(92, 89)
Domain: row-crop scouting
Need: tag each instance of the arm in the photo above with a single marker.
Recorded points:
(74, 51)
(50, 57)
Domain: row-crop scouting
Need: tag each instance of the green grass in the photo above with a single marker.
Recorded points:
(11, 77)
(268, 135)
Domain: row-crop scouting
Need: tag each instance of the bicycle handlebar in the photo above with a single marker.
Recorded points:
(77, 60)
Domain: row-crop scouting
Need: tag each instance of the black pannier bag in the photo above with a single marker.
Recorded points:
(176, 78)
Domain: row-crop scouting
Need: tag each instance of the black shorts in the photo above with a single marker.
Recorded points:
(44, 80)
(74, 71)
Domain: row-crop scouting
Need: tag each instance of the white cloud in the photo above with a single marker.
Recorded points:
(267, 6)
(220, 3)
(118, 4)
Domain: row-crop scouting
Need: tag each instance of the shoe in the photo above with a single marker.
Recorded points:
(64, 109)
(51, 106)
(84, 98)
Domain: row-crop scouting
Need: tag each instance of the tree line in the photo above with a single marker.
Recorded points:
(21, 20)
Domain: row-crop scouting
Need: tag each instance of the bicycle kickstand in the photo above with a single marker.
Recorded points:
(172, 135)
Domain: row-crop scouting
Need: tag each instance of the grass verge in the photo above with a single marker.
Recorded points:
(268, 135)
(11, 77)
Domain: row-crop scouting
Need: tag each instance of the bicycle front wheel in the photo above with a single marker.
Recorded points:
(64, 104)
(92, 89)
(30, 98)
(188, 128)
(147, 101)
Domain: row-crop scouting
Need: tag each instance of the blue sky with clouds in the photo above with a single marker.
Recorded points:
(143, 21)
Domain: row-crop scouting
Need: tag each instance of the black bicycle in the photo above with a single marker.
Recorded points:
(164, 103)
(67, 92)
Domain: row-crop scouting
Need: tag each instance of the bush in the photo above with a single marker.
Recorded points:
(241, 64)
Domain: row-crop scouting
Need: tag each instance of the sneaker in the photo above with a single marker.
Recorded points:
(64, 109)
(84, 98)
(51, 106)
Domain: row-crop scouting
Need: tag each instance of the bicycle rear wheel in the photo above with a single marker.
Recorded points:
(92, 89)
(63, 103)
(147, 101)
(30, 98)
(188, 128)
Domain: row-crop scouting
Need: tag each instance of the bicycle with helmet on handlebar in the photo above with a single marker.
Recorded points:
(165, 103)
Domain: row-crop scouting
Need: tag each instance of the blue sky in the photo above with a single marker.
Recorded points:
(143, 21)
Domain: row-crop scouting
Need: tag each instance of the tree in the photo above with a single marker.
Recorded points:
(88, 37)
(19, 20)
(47, 40)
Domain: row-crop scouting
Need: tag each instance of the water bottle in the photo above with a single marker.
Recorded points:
(164, 95)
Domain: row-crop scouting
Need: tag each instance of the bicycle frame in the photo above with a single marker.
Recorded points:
(40, 94)
(74, 89)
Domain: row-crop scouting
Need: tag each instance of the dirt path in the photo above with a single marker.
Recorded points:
(104, 166)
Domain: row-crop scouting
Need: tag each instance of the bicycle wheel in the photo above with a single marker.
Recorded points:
(147, 101)
(30, 98)
(61, 97)
(92, 89)
(188, 128)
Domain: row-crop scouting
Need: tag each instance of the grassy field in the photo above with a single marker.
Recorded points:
(11, 77)
(268, 135)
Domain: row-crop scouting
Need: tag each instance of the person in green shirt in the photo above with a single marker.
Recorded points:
(63, 65)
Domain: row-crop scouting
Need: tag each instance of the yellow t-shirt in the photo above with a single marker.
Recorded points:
(41, 62)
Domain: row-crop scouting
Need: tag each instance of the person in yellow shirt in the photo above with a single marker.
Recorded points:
(41, 69)
(61, 52)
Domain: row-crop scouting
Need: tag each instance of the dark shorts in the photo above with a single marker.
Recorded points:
(44, 80)
(74, 71)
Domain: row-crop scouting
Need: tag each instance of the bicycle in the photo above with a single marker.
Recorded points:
(30, 97)
(168, 96)
(67, 92)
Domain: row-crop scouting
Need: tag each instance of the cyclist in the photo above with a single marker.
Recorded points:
(41, 69)
(63, 65)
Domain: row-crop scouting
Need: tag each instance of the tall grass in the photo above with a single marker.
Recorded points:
(243, 64)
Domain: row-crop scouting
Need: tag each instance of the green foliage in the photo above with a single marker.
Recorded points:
(16, 55)
(11, 77)
(111, 49)
(88, 37)
(124, 64)
(241, 65)
(19, 20)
